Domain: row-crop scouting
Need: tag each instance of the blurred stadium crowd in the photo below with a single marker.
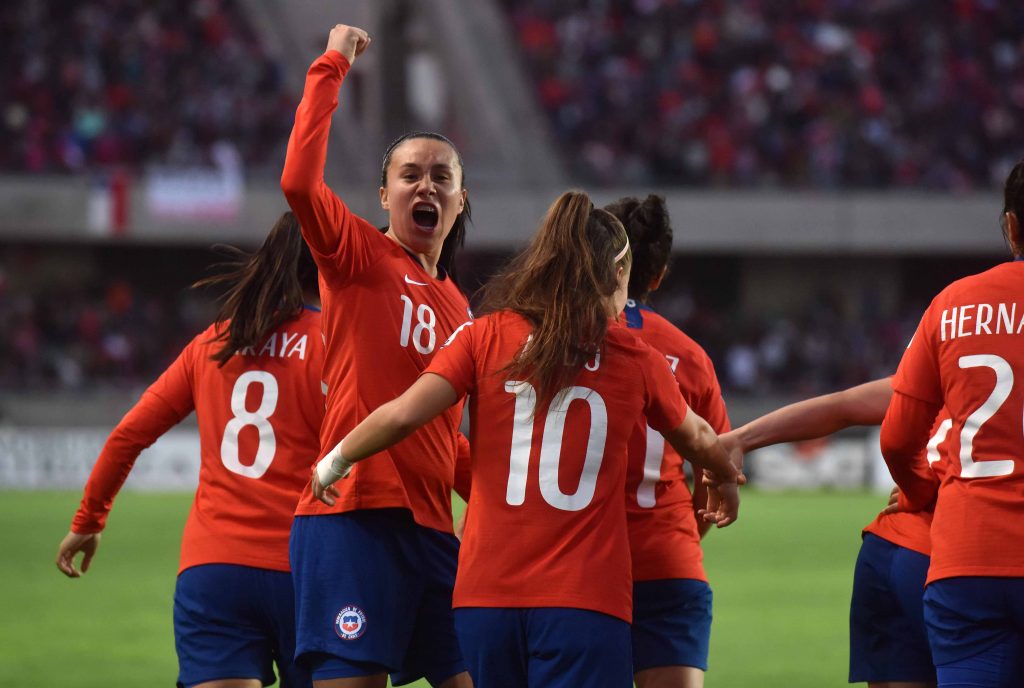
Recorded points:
(102, 329)
(98, 83)
(815, 93)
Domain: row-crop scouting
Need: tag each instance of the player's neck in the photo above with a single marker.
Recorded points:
(428, 261)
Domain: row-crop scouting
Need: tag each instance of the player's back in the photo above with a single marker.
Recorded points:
(663, 533)
(259, 419)
(546, 525)
(975, 331)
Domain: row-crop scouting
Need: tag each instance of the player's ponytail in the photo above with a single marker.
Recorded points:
(562, 284)
(264, 289)
(650, 238)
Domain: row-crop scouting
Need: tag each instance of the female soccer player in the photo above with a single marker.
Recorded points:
(888, 642)
(543, 596)
(378, 599)
(253, 379)
(968, 356)
(671, 596)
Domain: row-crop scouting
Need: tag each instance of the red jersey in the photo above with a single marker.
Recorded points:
(259, 415)
(968, 354)
(546, 524)
(384, 317)
(663, 535)
(912, 529)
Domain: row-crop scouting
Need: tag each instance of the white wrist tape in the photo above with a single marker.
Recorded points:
(332, 467)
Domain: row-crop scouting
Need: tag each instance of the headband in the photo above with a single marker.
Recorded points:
(621, 254)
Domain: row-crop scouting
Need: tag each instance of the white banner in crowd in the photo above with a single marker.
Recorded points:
(61, 458)
(840, 463)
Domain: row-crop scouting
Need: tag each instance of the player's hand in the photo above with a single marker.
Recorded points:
(712, 481)
(70, 546)
(733, 447)
(348, 40)
(723, 505)
(327, 494)
(460, 526)
(894, 502)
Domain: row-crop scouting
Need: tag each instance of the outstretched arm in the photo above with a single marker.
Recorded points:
(812, 418)
(161, 407)
(426, 399)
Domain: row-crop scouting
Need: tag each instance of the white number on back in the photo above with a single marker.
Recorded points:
(969, 468)
(258, 418)
(645, 494)
(655, 454)
(425, 322)
(551, 446)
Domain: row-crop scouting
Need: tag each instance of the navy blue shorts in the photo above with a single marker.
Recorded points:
(671, 623)
(373, 594)
(976, 629)
(235, 622)
(888, 641)
(544, 647)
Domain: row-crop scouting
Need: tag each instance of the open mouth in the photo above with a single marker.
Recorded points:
(424, 216)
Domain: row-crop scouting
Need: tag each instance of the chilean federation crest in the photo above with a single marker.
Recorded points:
(350, 623)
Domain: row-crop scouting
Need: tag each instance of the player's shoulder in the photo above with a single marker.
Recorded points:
(620, 339)
(659, 332)
(1003, 277)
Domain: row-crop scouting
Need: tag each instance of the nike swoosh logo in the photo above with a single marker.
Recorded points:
(412, 281)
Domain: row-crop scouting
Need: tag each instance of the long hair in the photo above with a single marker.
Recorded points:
(457, 236)
(562, 283)
(264, 289)
(650, 238)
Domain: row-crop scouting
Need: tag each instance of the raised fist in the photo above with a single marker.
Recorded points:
(348, 40)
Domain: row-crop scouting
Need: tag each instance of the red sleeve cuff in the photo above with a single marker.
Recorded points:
(338, 60)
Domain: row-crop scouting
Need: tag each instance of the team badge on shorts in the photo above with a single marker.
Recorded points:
(350, 623)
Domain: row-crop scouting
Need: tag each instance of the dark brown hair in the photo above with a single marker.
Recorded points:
(457, 236)
(650, 238)
(264, 289)
(561, 283)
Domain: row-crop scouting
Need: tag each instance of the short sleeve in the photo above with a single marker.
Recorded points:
(664, 406)
(456, 361)
(918, 372)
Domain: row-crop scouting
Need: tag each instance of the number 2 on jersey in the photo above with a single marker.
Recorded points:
(260, 419)
(969, 468)
(551, 446)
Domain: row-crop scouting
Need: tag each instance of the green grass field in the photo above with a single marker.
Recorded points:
(781, 578)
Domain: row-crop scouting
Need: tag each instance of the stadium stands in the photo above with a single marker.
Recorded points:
(99, 83)
(831, 94)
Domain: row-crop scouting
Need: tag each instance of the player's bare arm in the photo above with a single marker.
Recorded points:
(696, 440)
(426, 399)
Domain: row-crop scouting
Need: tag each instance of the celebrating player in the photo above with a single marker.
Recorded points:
(557, 387)
(671, 596)
(888, 642)
(253, 379)
(968, 355)
(378, 598)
